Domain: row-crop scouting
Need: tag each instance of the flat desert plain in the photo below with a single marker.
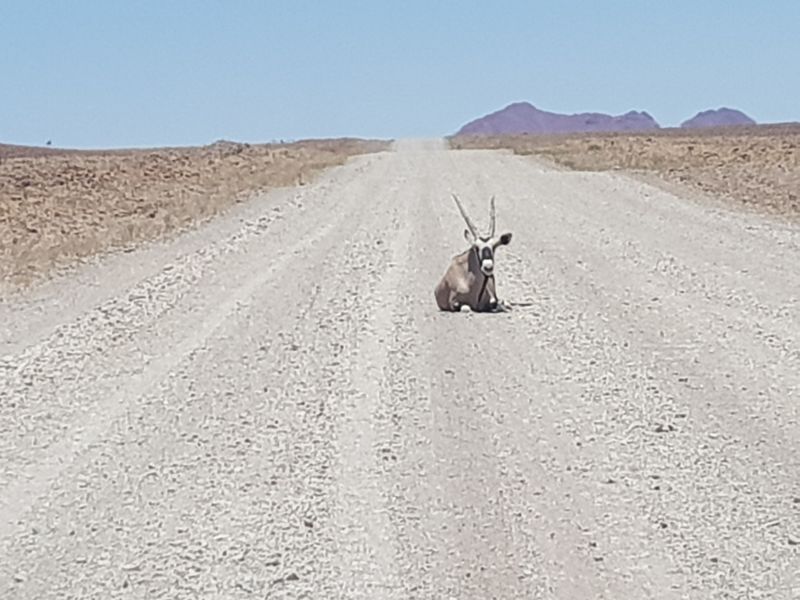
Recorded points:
(755, 167)
(57, 206)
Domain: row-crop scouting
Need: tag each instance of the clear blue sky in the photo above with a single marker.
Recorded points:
(111, 73)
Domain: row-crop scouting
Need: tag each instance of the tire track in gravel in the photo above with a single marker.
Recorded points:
(366, 549)
(107, 390)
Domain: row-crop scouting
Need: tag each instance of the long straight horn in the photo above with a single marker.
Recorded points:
(470, 224)
(492, 215)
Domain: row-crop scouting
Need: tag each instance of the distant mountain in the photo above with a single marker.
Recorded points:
(523, 117)
(721, 117)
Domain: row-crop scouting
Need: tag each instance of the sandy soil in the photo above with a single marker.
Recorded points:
(272, 406)
(754, 167)
(57, 206)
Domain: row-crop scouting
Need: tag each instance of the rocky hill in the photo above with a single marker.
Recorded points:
(721, 117)
(523, 117)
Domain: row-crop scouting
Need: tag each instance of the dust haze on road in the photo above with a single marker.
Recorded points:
(272, 406)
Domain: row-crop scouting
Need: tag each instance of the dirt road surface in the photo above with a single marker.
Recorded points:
(272, 407)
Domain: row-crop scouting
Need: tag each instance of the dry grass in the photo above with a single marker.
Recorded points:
(57, 206)
(757, 167)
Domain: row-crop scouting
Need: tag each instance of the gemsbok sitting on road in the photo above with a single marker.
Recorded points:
(469, 280)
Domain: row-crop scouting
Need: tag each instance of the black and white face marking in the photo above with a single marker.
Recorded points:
(485, 247)
(485, 251)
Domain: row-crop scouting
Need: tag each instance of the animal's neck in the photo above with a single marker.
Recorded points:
(475, 266)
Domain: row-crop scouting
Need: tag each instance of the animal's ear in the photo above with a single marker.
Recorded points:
(468, 236)
(505, 239)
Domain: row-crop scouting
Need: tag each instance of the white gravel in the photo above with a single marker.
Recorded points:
(272, 406)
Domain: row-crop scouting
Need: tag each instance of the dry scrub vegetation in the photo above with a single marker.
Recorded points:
(57, 206)
(756, 167)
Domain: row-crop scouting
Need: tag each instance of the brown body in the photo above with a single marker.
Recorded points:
(465, 284)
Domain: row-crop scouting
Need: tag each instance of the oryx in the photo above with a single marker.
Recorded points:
(469, 279)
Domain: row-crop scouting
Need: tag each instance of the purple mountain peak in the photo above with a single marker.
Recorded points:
(524, 117)
(720, 117)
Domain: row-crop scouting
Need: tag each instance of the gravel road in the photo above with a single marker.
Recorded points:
(271, 406)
